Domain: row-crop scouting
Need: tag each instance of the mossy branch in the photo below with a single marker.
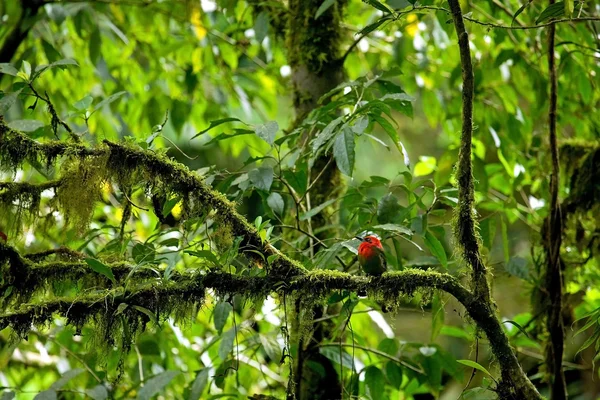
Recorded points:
(465, 226)
(122, 160)
(514, 381)
(314, 285)
(183, 294)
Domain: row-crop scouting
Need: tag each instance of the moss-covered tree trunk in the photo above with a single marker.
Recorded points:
(313, 53)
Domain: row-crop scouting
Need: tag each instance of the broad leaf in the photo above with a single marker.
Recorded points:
(221, 313)
(261, 178)
(155, 384)
(199, 384)
(267, 131)
(101, 268)
(343, 151)
(436, 248)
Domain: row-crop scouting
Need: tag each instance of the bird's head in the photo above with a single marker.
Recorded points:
(369, 242)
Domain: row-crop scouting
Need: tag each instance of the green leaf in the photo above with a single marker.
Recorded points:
(46, 395)
(324, 7)
(326, 134)
(101, 268)
(569, 6)
(387, 209)
(267, 131)
(394, 373)
(98, 392)
(26, 125)
(8, 395)
(519, 267)
(436, 248)
(261, 27)
(314, 211)
(425, 166)
(375, 382)
(275, 201)
(149, 313)
(261, 178)
(419, 224)
(475, 365)
(206, 254)
(389, 346)
(333, 353)
(394, 228)
(121, 308)
(8, 100)
(95, 46)
(226, 345)
(379, 6)
(26, 69)
(199, 384)
(360, 124)
(6, 68)
(553, 11)
(437, 316)
(370, 28)
(143, 253)
(453, 331)
(343, 151)
(40, 69)
(169, 204)
(271, 347)
(65, 378)
(221, 314)
(51, 53)
(107, 100)
(84, 103)
(155, 384)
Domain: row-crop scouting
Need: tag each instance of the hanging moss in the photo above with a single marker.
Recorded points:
(20, 202)
(82, 180)
(117, 320)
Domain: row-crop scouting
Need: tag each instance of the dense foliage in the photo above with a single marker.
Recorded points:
(183, 182)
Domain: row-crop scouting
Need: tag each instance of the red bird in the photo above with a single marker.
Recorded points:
(371, 256)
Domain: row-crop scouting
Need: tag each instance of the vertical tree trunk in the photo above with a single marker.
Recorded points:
(313, 54)
(553, 239)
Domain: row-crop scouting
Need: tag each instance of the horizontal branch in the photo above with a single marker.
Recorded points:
(315, 285)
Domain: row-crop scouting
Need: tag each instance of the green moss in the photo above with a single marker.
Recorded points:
(19, 203)
(584, 193)
(313, 42)
(82, 180)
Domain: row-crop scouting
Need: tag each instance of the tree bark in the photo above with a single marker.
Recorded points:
(19, 32)
(514, 384)
(313, 54)
(553, 281)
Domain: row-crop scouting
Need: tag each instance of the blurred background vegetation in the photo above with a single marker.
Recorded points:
(155, 74)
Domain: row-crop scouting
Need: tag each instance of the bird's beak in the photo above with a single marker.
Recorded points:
(359, 238)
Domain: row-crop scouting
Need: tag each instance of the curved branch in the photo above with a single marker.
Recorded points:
(514, 380)
(465, 224)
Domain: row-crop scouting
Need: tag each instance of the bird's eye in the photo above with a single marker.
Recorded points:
(368, 240)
